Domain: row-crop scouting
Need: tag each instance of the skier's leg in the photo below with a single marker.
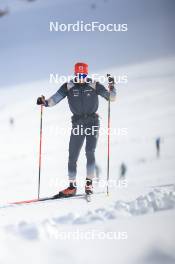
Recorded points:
(75, 145)
(158, 151)
(91, 143)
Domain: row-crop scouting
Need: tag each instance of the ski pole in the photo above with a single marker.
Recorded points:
(40, 150)
(109, 126)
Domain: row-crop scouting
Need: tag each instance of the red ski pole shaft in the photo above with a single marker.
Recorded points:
(108, 151)
(40, 150)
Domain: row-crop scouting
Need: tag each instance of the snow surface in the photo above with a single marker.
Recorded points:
(141, 214)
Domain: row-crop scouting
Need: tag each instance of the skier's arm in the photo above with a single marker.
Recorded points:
(58, 96)
(101, 90)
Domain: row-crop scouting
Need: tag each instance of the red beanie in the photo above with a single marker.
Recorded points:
(81, 67)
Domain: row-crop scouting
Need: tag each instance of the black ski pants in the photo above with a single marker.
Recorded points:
(83, 128)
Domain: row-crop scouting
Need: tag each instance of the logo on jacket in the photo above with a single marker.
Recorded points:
(75, 92)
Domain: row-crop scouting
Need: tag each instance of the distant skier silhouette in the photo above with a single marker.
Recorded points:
(93, 6)
(4, 12)
(123, 170)
(11, 121)
(158, 141)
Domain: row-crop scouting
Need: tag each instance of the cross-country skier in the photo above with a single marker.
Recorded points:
(123, 170)
(158, 141)
(82, 94)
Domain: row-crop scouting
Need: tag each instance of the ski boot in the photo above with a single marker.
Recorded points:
(88, 187)
(68, 192)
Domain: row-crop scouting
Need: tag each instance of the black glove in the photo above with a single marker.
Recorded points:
(111, 80)
(41, 100)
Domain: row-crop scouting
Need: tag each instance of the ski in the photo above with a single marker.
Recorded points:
(87, 197)
(32, 201)
(170, 185)
(44, 199)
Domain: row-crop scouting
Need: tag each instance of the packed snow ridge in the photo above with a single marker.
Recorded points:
(156, 200)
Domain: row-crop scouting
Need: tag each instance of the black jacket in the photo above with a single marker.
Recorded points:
(82, 98)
